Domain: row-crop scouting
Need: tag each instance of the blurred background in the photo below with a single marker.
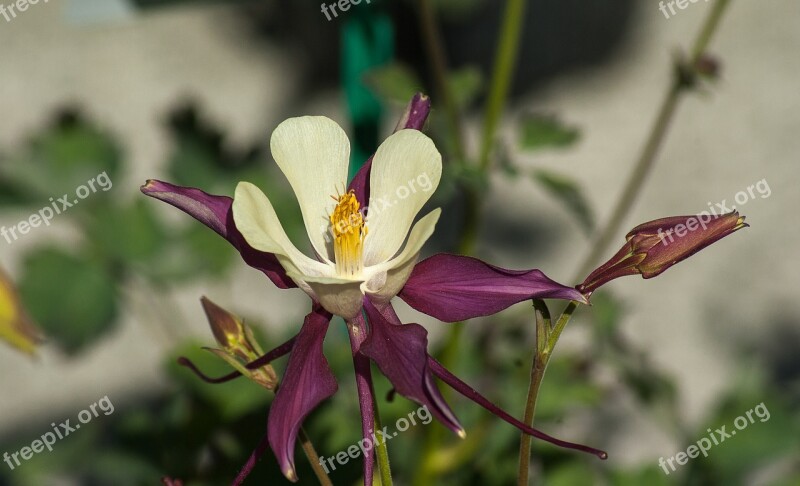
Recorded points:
(189, 92)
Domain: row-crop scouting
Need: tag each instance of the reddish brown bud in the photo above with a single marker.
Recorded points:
(653, 247)
(239, 346)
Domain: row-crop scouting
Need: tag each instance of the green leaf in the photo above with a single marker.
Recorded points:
(63, 158)
(126, 234)
(74, 300)
(394, 82)
(538, 132)
(466, 85)
(569, 194)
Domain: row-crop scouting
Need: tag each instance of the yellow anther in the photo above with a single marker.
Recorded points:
(349, 230)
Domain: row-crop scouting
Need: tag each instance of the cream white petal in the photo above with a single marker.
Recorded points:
(257, 221)
(341, 297)
(313, 152)
(385, 280)
(405, 172)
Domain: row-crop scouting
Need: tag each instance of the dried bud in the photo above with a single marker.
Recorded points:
(239, 346)
(653, 247)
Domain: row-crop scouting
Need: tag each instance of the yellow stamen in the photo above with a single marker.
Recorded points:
(349, 230)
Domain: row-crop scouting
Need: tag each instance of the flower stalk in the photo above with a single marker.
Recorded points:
(696, 65)
(680, 85)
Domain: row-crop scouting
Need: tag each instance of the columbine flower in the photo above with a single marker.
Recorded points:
(359, 264)
(653, 247)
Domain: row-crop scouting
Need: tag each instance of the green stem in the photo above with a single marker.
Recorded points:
(504, 69)
(382, 452)
(560, 325)
(632, 188)
(654, 142)
(438, 63)
(505, 64)
(472, 216)
(538, 368)
(313, 458)
(709, 29)
(546, 340)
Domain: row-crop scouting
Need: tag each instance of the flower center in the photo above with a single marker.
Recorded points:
(349, 230)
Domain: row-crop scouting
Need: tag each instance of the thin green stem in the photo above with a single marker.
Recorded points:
(313, 458)
(472, 216)
(438, 63)
(505, 64)
(538, 368)
(382, 453)
(537, 376)
(654, 142)
(708, 30)
(560, 325)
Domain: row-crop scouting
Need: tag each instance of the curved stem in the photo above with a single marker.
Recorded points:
(560, 325)
(538, 368)
(458, 385)
(506, 61)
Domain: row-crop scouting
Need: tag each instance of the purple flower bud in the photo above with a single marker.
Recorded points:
(653, 247)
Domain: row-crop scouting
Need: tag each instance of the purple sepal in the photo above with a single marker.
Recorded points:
(401, 353)
(454, 288)
(307, 381)
(215, 212)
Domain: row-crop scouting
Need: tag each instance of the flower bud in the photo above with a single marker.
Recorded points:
(239, 346)
(653, 247)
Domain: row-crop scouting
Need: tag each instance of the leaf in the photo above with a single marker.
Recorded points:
(126, 234)
(466, 85)
(16, 327)
(73, 299)
(570, 195)
(538, 132)
(394, 82)
(66, 156)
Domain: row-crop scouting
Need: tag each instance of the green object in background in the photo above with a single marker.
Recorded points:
(367, 42)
